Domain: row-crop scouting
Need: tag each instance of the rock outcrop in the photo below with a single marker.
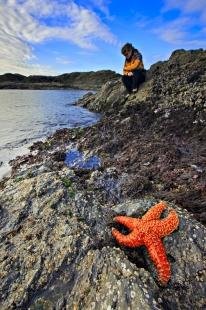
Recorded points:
(157, 135)
(178, 82)
(57, 251)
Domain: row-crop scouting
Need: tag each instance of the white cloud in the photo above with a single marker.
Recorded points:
(186, 30)
(143, 21)
(63, 60)
(187, 7)
(102, 5)
(178, 32)
(188, 27)
(22, 23)
(173, 32)
(98, 5)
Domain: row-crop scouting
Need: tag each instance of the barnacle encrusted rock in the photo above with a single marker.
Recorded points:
(148, 231)
(55, 222)
(57, 252)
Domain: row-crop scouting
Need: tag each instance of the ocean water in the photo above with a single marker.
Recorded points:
(30, 115)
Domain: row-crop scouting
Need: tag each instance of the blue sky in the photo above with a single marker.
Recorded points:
(52, 37)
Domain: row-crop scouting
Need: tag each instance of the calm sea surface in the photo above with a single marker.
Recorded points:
(30, 115)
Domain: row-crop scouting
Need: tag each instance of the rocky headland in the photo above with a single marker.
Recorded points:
(75, 80)
(57, 208)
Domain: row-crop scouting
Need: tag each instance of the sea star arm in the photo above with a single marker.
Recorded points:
(155, 212)
(127, 221)
(167, 225)
(131, 240)
(157, 254)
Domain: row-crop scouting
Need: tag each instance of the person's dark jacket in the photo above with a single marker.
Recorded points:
(133, 63)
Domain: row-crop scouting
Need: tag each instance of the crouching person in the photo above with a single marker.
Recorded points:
(133, 71)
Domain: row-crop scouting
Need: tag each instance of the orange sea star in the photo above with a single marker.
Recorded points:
(148, 231)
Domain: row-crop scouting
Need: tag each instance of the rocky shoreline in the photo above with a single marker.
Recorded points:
(57, 251)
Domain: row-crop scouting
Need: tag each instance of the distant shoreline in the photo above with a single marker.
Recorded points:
(39, 86)
(76, 80)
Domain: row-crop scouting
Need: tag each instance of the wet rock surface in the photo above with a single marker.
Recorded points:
(57, 251)
(158, 135)
(110, 97)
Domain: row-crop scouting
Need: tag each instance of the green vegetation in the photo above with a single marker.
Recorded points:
(18, 179)
(69, 185)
